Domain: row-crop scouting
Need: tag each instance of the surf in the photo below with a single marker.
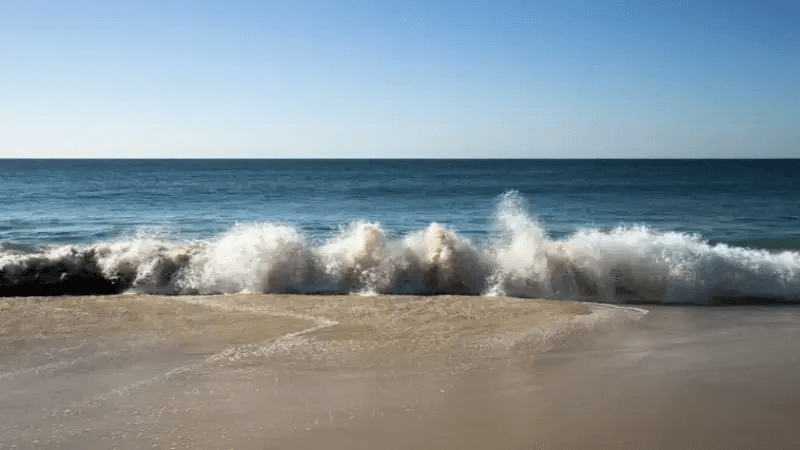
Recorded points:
(627, 264)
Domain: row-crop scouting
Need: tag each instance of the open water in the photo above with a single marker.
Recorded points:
(659, 231)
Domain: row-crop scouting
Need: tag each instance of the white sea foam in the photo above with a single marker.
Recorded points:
(626, 264)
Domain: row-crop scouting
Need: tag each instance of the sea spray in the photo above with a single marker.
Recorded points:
(357, 257)
(621, 265)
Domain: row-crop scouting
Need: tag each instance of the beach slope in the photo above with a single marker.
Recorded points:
(247, 370)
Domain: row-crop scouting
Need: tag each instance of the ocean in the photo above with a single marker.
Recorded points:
(617, 231)
(459, 304)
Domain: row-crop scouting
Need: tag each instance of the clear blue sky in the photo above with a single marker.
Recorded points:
(399, 79)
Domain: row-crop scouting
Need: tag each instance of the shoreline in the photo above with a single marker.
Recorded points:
(257, 371)
(85, 371)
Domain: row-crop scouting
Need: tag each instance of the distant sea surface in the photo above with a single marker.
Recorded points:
(615, 230)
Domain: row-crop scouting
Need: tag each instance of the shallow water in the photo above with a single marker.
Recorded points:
(255, 371)
(692, 378)
(133, 370)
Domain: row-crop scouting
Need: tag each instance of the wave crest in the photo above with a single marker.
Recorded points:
(627, 264)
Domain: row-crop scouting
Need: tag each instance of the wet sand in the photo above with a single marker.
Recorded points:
(241, 370)
(680, 378)
(345, 372)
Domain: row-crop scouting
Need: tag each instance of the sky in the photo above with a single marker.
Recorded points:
(413, 79)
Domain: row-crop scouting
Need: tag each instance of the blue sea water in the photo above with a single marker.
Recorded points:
(734, 225)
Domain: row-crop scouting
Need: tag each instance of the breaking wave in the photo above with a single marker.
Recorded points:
(623, 265)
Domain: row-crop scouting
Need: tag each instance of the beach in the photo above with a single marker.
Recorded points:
(401, 225)
(246, 370)
(360, 371)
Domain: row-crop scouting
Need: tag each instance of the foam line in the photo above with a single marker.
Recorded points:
(623, 265)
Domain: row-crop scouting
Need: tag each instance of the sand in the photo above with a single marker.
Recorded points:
(255, 371)
(248, 370)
